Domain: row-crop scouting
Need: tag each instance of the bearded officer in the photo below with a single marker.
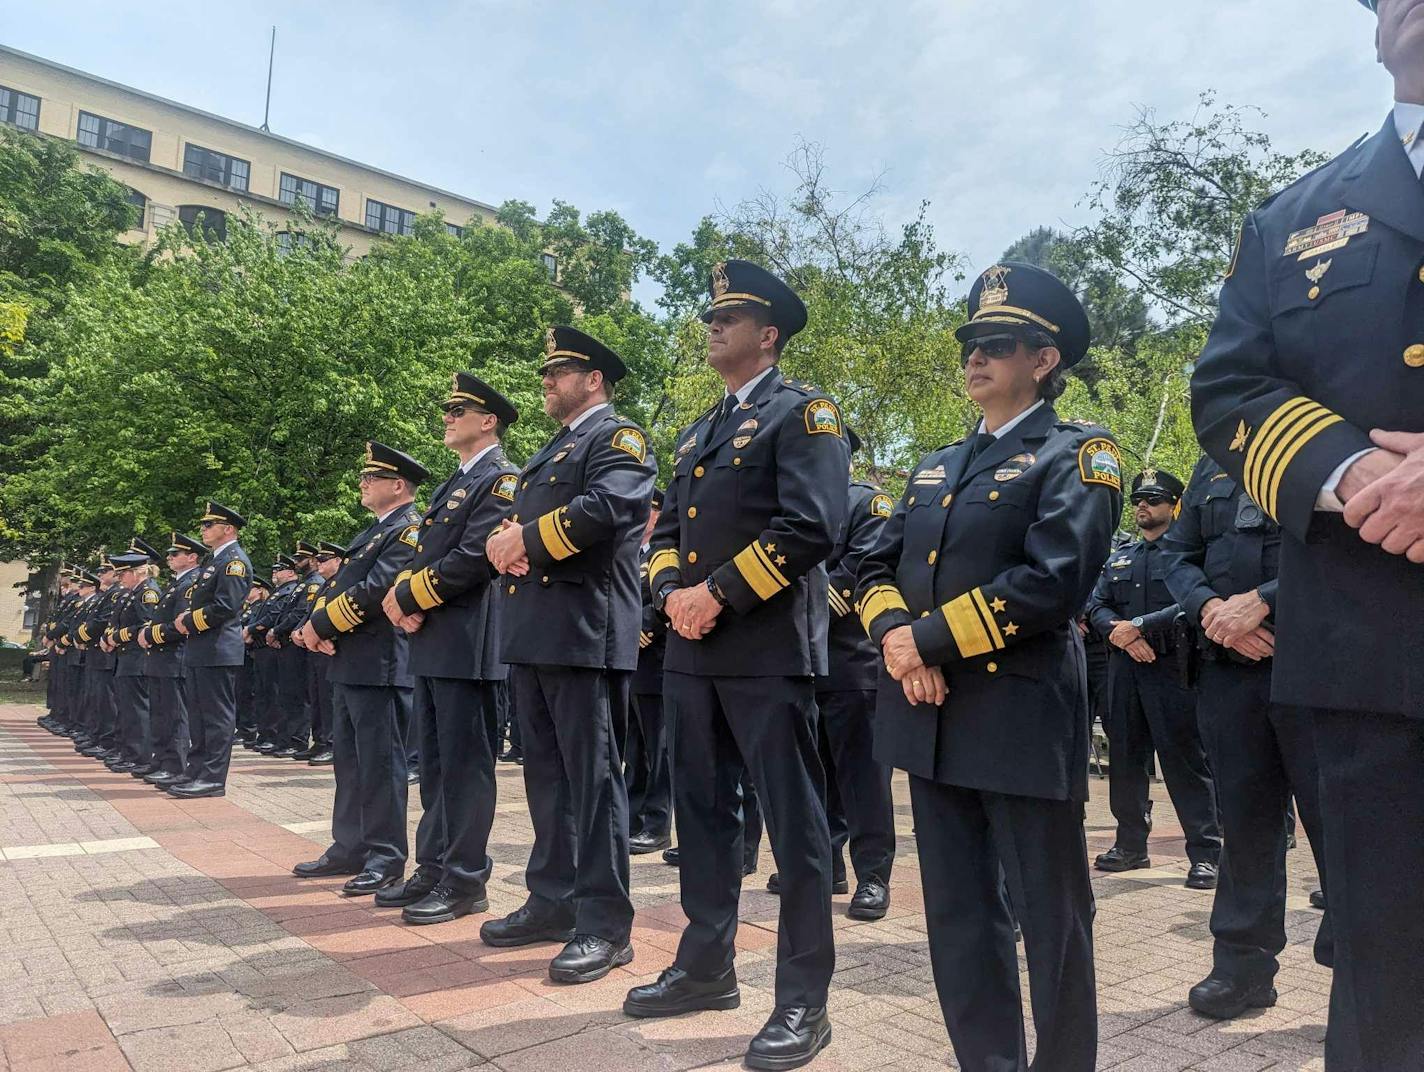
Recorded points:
(972, 595)
(1310, 393)
(214, 652)
(164, 665)
(569, 554)
(755, 505)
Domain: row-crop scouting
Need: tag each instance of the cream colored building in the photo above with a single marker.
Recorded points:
(180, 161)
(15, 625)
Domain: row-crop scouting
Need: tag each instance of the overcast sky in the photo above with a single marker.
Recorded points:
(997, 112)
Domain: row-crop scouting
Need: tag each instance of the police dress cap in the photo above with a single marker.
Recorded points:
(738, 284)
(1157, 482)
(304, 550)
(106, 562)
(565, 344)
(283, 562)
(85, 577)
(216, 511)
(129, 559)
(180, 542)
(467, 388)
(382, 460)
(140, 546)
(326, 547)
(1016, 298)
(261, 582)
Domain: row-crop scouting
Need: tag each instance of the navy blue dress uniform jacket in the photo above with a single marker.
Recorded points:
(281, 605)
(215, 614)
(299, 604)
(133, 609)
(72, 634)
(450, 579)
(652, 638)
(97, 617)
(756, 501)
(990, 564)
(1221, 544)
(582, 501)
(369, 649)
(854, 660)
(1319, 339)
(164, 655)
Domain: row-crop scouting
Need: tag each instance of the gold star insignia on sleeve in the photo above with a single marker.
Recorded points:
(781, 560)
(997, 605)
(770, 548)
(1010, 629)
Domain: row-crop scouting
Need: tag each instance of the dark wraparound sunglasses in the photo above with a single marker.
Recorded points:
(458, 410)
(1150, 500)
(999, 346)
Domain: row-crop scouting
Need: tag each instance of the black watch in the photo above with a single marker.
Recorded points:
(660, 599)
(716, 590)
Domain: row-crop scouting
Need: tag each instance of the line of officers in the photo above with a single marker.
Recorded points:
(760, 643)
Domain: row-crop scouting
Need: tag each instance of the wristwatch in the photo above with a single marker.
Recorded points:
(1137, 622)
(716, 590)
(661, 597)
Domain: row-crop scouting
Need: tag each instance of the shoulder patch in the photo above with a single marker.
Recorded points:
(408, 535)
(236, 568)
(150, 596)
(504, 486)
(631, 441)
(881, 506)
(822, 416)
(1100, 462)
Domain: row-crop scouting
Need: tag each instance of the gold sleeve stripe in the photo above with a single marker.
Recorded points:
(1289, 448)
(84, 632)
(659, 562)
(200, 620)
(156, 634)
(403, 575)
(125, 635)
(879, 600)
(342, 614)
(838, 603)
(971, 625)
(422, 586)
(1293, 424)
(551, 531)
(758, 571)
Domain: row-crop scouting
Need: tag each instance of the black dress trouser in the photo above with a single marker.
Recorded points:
(858, 789)
(168, 708)
(766, 725)
(212, 704)
(571, 719)
(457, 784)
(133, 726)
(368, 816)
(972, 844)
(294, 718)
(650, 781)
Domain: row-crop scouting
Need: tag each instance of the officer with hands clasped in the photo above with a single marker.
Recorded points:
(972, 594)
(167, 676)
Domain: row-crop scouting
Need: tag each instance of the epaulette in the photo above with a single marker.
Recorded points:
(802, 387)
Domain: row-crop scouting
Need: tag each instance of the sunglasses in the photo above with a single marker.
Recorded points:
(458, 410)
(371, 478)
(1150, 500)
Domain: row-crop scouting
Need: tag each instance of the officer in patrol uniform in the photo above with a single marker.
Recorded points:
(756, 502)
(329, 559)
(972, 595)
(648, 762)
(1148, 705)
(371, 682)
(133, 609)
(569, 555)
(213, 652)
(1222, 555)
(1310, 393)
(98, 693)
(164, 664)
(445, 602)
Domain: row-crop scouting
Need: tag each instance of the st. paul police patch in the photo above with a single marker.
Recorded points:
(235, 568)
(881, 506)
(1099, 462)
(630, 441)
(504, 486)
(822, 416)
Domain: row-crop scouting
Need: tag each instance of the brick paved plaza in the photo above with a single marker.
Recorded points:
(153, 934)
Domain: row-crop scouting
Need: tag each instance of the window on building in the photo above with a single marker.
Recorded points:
(141, 203)
(455, 229)
(19, 109)
(99, 133)
(210, 166)
(551, 266)
(388, 218)
(214, 221)
(290, 240)
(322, 200)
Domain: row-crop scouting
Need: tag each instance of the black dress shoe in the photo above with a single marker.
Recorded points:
(143, 770)
(676, 992)
(367, 883)
(671, 856)
(1120, 859)
(792, 1036)
(444, 904)
(589, 957)
(90, 750)
(642, 843)
(323, 758)
(283, 753)
(749, 865)
(1317, 899)
(123, 766)
(421, 882)
(162, 778)
(304, 753)
(1226, 999)
(511, 756)
(523, 927)
(838, 884)
(1202, 876)
(190, 790)
(871, 900)
(265, 747)
(324, 867)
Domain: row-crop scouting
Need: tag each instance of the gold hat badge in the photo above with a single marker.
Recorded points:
(370, 455)
(551, 341)
(995, 290)
(720, 282)
(1149, 476)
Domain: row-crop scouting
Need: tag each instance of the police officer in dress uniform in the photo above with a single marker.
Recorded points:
(972, 595)
(859, 807)
(246, 686)
(68, 639)
(1222, 557)
(164, 664)
(60, 716)
(133, 610)
(98, 692)
(445, 601)
(293, 692)
(267, 716)
(1310, 393)
(274, 732)
(755, 504)
(329, 559)
(371, 682)
(213, 652)
(569, 555)
(1148, 704)
(648, 764)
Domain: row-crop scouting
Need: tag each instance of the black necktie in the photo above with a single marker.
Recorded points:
(979, 444)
